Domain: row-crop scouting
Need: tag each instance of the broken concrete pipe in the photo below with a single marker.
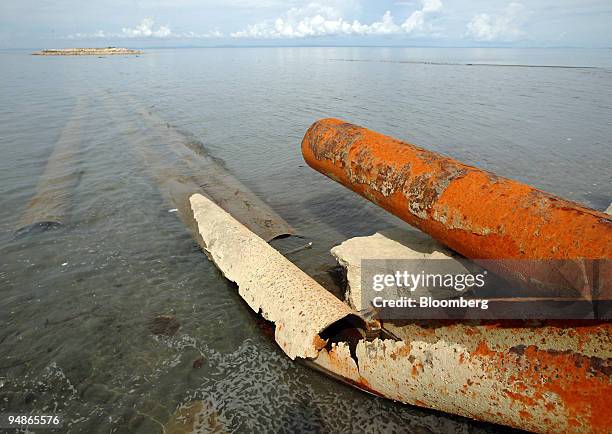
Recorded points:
(538, 377)
(300, 308)
(539, 238)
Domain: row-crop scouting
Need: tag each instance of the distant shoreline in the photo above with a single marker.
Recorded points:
(86, 52)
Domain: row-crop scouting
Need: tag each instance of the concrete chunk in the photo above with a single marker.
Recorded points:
(395, 244)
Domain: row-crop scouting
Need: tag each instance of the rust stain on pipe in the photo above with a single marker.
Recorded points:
(549, 377)
(474, 212)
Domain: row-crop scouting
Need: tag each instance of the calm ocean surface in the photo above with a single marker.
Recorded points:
(76, 301)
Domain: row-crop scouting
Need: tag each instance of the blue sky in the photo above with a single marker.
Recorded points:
(140, 23)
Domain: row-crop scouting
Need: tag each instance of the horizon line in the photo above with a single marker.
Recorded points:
(162, 47)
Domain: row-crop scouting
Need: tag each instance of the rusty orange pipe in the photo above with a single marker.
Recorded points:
(474, 212)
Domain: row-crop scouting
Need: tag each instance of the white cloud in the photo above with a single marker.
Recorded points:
(432, 5)
(416, 23)
(315, 20)
(146, 29)
(505, 26)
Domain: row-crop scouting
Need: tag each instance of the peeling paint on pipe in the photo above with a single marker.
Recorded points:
(472, 211)
(50, 206)
(536, 377)
(544, 376)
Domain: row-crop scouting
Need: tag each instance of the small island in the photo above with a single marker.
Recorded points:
(107, 51)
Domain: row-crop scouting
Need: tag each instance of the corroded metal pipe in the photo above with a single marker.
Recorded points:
(474, 212)
(540, 377)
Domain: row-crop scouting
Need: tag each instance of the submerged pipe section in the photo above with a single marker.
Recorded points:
(180, 166)
(191, 169)
(50, 206)
(472, 211)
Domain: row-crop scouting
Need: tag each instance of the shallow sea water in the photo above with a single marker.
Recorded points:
(76, 301)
